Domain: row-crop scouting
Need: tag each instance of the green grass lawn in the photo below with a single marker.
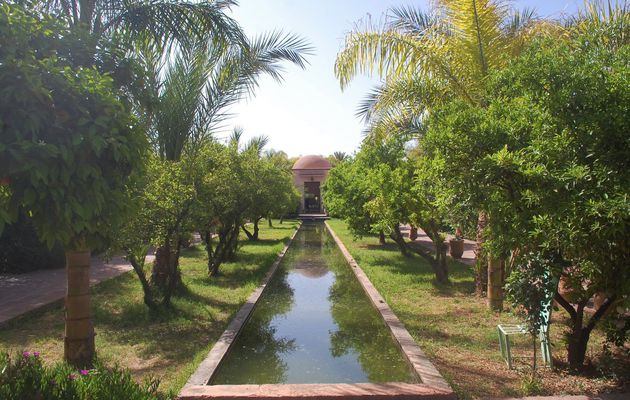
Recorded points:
(170, 344)
(455, 328)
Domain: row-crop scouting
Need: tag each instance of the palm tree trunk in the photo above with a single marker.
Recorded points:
(495, 283)
(79, 334)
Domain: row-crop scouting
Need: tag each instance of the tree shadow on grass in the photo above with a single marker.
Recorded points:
(177, 333)
(418, 271)
(388, 247)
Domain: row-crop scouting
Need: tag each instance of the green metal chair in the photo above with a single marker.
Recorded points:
(507, 330)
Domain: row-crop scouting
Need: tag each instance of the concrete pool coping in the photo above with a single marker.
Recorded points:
(433, 385)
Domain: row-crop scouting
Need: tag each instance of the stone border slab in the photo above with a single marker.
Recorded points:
(416, 357)
(338, 391)
(210, 364)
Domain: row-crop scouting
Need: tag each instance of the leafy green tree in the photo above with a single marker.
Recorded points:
(381, 189)
(550, 150)
(337, 157)
(426, 59)
(287, 197)
(223, 186)
(346, 197)
(163, 201)
(191, 94)
(271, 189)
(69, 149)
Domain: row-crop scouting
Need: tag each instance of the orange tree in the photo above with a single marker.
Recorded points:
(68, 147)
(551, 150)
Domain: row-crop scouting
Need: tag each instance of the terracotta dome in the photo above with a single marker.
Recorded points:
(312, 162)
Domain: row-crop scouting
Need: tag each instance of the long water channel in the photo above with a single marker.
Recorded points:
(314, 324)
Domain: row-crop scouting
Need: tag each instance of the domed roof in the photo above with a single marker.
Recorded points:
(312, 162)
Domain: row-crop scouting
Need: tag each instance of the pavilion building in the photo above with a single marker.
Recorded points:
(309, 173)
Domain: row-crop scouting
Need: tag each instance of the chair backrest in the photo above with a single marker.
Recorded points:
(547, 304)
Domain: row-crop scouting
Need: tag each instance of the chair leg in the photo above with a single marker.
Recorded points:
(502, 345)
(508, 351)
(545, 348)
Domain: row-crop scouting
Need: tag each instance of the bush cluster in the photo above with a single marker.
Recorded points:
(24, 376)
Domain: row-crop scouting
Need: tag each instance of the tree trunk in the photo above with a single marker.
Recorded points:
(228, 239)
(495, 283)
(256, 228)
(207, 240)
(219, 252)
(138, 267)
(481, 265)
(165, 274)
(232, 245)
(397, 237)
(441, 267)
(249, 235)
(381, 237)
(270, 223)
(413, 233)
(578, 341)
(79, 334)
(161, 272)
(535, 345)
(438, 261)
(579, 336)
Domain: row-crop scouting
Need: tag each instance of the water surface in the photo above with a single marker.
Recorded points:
(314, 324)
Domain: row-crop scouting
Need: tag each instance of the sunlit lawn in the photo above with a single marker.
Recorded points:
(454, 327)
(169, 344)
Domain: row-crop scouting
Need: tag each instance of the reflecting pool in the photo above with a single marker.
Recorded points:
(314, 324)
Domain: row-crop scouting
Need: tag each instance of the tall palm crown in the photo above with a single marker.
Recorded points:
(195, 88)
(425, 58)
(160, 21)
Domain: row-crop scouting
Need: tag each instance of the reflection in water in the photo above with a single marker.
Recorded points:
(314, 324)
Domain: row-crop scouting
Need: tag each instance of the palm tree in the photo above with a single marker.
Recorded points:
(109, 30)
(161, 22)
(113, 29)
(192, 94)
(194, 91)
(428, 58)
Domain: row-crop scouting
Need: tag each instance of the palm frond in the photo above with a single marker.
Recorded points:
(411, 20)
(235, 136)
(601, 16)
(168, 21)
(257, 144)
(402, 95)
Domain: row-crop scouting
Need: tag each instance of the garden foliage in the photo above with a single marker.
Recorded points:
(24, 376)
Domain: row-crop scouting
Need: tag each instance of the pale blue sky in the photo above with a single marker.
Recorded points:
(308, 113)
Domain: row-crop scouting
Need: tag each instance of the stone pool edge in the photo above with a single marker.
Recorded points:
(424, 368)
(433, 386)
(209, 365)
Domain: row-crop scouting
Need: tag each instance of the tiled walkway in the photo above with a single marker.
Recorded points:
(20, 293)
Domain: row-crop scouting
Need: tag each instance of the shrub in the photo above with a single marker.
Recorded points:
(21, 250)
(26, 377)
